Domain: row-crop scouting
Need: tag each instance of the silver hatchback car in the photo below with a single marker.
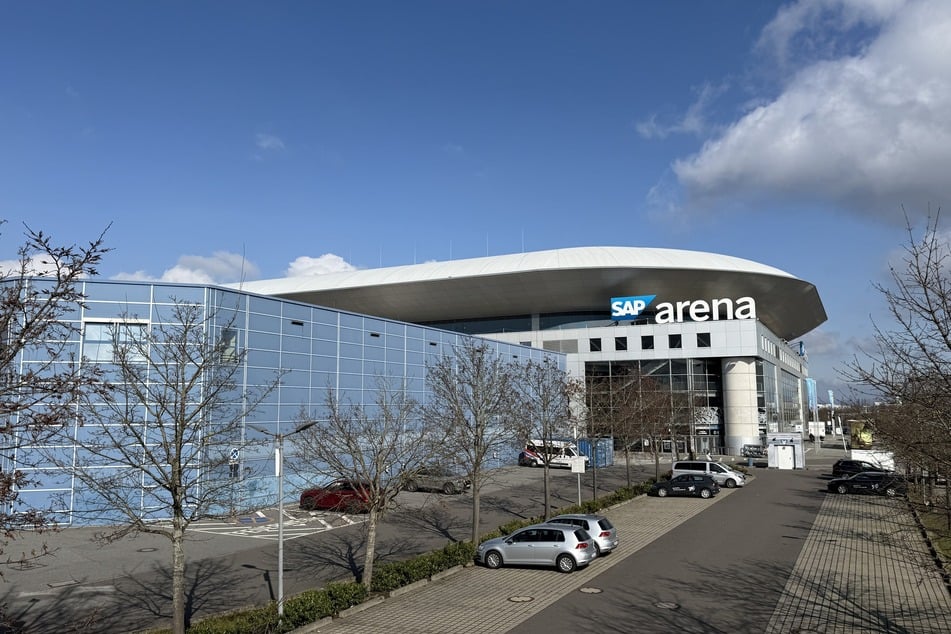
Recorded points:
(600, 528)
(563, 546)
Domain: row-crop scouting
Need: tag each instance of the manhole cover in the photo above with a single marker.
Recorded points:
(591, 590)
(147, 550)
(520, 599)
(667, 605)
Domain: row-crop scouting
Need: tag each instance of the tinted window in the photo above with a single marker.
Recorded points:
(582, 535)
(715, 468)
(605, 524)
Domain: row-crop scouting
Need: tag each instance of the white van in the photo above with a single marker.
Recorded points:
(560, 453)
(724, 475)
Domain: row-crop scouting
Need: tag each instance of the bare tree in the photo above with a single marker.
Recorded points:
(910, 365)
(640, 410)
(153, 457)
(473, 407)
(545, 391)
(375, 446)
(41, 380)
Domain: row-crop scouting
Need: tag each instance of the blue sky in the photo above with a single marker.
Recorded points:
(221, 140)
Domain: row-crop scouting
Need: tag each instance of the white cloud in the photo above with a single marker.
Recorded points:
(327, 263)
(34, 267)
(866, 128)
(694, 121)
(268, 142)
(220, 268)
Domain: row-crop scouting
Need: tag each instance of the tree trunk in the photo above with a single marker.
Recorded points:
(370, 550)
(547, 490)
(627, 464)
(476, 500)
(178, 576)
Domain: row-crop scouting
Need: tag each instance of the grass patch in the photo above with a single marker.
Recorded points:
(935, 522)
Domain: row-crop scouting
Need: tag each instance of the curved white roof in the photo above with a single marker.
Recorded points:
(559, 280)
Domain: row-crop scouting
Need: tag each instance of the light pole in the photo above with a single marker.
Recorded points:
(279, 473)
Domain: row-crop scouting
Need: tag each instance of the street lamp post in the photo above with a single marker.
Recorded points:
(279, 473)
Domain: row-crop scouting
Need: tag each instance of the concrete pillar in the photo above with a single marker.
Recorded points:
(740, 412)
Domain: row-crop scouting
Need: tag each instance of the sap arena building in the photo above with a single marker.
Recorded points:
(723, 331)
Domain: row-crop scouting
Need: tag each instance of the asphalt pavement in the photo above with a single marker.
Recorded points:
(779, 556)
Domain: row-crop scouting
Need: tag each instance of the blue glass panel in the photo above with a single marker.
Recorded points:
(321, 316)
(120, 292)
(292, 361)
(109, 310)
(264, 323)
(40, 499)
(374, 353)
(351, 381)
(295, 311)
(349, 335)
(325, 364)
(229, 301)
(295, 344)
(354, 322)
(265, 305)
(373, 368)
(374, 325)
(351, 351)
(328, 348)
(264, 359)
(351, 366)
(295, 378)
(326, 332)
(167, 294)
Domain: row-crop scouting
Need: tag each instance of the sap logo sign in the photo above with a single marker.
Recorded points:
(623, 308)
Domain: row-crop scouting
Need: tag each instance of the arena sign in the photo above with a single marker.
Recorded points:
(629, 308)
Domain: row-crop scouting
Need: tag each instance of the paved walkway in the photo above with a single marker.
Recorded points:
(864, 568)
(481, 601)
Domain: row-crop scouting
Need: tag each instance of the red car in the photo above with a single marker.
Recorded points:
(339, 495)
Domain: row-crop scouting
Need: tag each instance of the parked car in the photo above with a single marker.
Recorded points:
(877, 482)
(724, 475)
(846, 467)
(564, 546)
(600, 528)
(686, 484)
(437, 478)
(339, 495)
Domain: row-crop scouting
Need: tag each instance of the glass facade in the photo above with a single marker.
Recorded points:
(316, 350)
(694, 386)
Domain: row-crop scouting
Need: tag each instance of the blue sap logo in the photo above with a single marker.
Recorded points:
(626, 308)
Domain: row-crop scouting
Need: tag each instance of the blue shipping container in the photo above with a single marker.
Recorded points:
(600, 451)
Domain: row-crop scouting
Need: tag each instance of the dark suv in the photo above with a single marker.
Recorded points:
(848, 467)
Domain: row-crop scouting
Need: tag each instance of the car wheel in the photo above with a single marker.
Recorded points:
(449, 488)
(661, 493)
(730, 483)
(566, 563)
(536, 463)
(891, 491)
(493, 559)
(412, 486)
(705, 493)
(597, 550)
(307, 504)
(842, 489)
